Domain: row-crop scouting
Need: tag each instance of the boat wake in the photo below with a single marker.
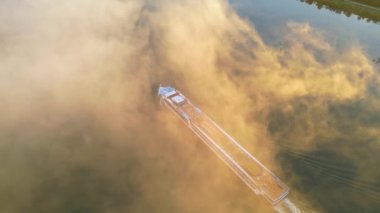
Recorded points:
(287, 206)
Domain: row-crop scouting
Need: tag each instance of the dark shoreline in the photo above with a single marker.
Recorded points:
(368, 10)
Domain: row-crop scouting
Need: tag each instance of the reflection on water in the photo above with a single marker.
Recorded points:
(81, 130)
(270, 18)
(328, 148)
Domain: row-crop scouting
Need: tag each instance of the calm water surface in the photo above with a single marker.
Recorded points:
(270, 18)
(81, 129)
(341, 174)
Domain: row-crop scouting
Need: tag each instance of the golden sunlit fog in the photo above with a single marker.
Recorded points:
(81, 129)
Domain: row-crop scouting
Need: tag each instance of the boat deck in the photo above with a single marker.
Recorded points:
(260, 179)
(257, 177)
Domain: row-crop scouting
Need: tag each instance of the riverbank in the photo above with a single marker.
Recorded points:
(368, 10)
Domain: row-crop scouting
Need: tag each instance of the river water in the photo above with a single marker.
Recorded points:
(270, 18)
(81, 129)
(339, 172)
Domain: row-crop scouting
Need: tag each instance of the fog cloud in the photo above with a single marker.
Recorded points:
(80, 126)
